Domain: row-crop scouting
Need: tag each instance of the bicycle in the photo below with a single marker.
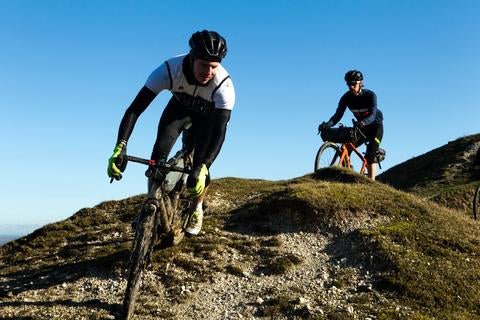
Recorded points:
(162, 219)
(339, 153)
(476, 203)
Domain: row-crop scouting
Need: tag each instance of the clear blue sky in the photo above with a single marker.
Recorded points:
(69, 69)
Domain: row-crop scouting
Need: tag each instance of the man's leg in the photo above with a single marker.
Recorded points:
(195, 222)
(375, 135)
(200, 198)
(372, 170)
(171, 124)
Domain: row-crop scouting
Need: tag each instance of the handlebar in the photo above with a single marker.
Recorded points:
(156, 164)
(168, 166)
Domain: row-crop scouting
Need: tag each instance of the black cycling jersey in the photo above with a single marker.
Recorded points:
(363, 107)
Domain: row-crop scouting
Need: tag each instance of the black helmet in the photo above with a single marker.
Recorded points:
(353, 76)
(208, 45)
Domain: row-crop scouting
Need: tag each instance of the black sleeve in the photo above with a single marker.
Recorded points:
(143, 99)
(342, 106)
(218, 123)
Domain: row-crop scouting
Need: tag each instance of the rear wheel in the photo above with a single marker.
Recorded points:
(179, 218)
(139, 255)
(476, 203)
(328, 154)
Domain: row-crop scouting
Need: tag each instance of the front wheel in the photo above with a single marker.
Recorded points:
(328, 154)
(142, 244)
(476, 203)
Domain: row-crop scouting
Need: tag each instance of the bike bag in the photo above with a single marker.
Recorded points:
(337, 135)
(380, 156)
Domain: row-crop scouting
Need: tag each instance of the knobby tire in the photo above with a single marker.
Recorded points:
(141, 248)
(476, 203)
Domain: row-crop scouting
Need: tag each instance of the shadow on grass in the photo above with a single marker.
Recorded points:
(34, 279)
(115, 309)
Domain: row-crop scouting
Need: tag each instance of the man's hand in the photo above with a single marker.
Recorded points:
(323, 126)
(196, 181)
(117, 162)
(360, 124)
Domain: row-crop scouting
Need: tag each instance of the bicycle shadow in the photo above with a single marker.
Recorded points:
(45, 277)
(114, 309)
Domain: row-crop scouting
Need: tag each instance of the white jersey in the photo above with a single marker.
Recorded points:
(218, 93)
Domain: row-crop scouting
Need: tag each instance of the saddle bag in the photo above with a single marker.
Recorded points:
(380, 156)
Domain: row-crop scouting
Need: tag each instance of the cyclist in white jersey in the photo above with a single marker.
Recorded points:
(203, 95)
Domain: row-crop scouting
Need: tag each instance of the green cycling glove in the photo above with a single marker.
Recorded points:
(196, 181)
(117, 163)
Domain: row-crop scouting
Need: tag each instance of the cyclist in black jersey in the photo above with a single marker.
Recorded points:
(363, 104)
(203, 95)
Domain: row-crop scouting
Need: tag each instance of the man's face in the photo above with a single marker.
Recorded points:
(355, 87)
(204, 70)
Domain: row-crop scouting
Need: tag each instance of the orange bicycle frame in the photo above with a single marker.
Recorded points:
(345, 157)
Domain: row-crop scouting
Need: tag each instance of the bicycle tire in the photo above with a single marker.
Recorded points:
(180, 208)
(141, 248)
(476, 203)
(327, 155)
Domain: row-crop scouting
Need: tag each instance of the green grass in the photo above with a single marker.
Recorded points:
(444, 175)
(422, 256)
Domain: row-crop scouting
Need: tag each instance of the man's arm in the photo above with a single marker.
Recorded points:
(160, 79)
(143, 99)
(342, 106)
(208, 152)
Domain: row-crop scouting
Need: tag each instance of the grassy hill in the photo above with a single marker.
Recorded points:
(377, 253)
(443, 175)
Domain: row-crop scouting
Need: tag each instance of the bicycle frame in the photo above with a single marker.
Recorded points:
(345, 156)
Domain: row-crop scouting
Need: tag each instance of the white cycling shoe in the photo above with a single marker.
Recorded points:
(195, 222)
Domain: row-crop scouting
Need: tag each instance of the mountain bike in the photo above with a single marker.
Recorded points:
(162, 219)
(476, 203)
(339, 154)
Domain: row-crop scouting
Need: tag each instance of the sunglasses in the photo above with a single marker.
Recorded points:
(352, 83)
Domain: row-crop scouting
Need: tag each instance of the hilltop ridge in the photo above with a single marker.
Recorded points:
(329, 245)
(444, 175)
